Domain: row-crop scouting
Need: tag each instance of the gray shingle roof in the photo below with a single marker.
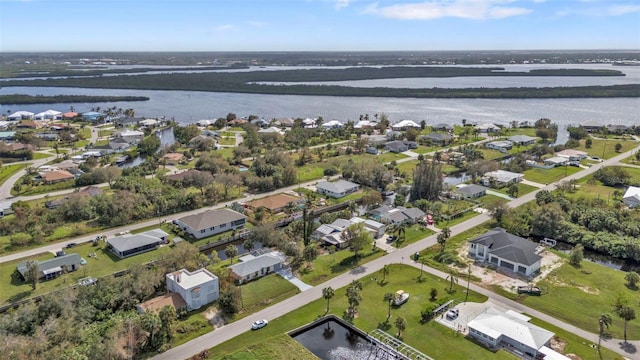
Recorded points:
(133, 241)
(211, 218)
(508, 246)
(337, 187)
(471, 189)
(64, 260)
(245, 268)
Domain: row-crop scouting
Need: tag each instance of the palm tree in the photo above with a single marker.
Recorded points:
(442, 237)
(328, 293)
(388, 297)
(604, 321)
(385, 271)
(452, 277)
(400, 231)
(401, 324)
(622, 308)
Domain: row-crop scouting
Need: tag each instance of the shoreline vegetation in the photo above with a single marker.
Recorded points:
(17, 72)
(23, 99)
(248, 82)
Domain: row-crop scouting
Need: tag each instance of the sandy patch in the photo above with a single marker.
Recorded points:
(548, 263)
(214, 317)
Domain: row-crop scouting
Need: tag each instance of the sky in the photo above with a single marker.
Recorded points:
(317, 25)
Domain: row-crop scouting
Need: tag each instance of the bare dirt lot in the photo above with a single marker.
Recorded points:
(488, 276)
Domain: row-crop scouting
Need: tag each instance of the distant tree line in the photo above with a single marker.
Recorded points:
(247, 82)
(22, 99)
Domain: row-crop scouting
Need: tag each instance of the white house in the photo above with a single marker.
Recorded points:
(134, 244)
(253, 267)
(196, 288)
(556, 161)
(487, 128)
(362, 124)
(631, 197)
(501, 178)
(513, 331)
(333, 124)
(506, 251)
(21, 115)
(271, 130)
(336, 189)
(502, 146)
(49, 115)
(572, 155)
(211, 222)
(522, 139)
(405, 125)
(131, 136)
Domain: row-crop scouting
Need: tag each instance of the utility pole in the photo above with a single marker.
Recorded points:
(468, 280)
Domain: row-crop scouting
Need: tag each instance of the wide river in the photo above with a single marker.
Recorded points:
(191, 106)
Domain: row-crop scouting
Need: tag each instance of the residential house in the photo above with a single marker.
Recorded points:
(631, 197)
(260, 123)
(179, 177)
(18, 147)
(512, 331)
(442, 127)
(438, 139)
(375, 140)
(7, 135)
(29, 124)
(333, 124)
(89, 191)
(126, 121)
(556, 161)
(116, 145)
(69, 115)
(397, 215)
(56, 176)
(5, 208)
(149, 122)
(500, 178)
(48, 115)
(375, 228)
(205, 122)
(131, 136)
(506, 251)
(52, 268)
(237, 122)
(522, 139)
(472, 191)
(502, 146)
(617, 129)
(487, 128)
(92, 116)
(284, 122)
(21, 115)
(396, 146)
(173, 158)
(210, 133)
(211, 222)
(196, 288)
(337, 189)
(134, 244)
(592, 126)
(253, 267)
(572, 155)
(275, 203)
(371, 150)
(405, 125)
(365, 124)
(47, 135)
(309, 123)
(271, 130)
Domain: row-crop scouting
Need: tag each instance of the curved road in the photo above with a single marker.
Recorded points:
(403, 255)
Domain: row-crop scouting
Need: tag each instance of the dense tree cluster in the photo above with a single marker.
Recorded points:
(427, 181)
(105, 312)
(367, 172)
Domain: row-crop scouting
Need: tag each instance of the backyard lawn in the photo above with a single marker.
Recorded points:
(522, 189)
(12, 288)
(387, 157)
(227, 141)
(329, 265)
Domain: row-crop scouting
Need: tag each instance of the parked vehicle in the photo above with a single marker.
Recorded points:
(391, 238)
(429, 219)
(452, 314)
(259, 324)
(70, 245)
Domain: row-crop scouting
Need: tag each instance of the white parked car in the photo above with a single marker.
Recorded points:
(452, 314)
(259, 324)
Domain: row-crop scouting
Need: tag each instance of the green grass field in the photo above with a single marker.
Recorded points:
(606, 149)
(522, 189)
(227, 141)
(327, 266)
(547, 176)
(387, 157)
(431, 338)
(12, 288)
(7, 171)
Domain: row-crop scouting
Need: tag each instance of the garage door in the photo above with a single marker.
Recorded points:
(506, 265)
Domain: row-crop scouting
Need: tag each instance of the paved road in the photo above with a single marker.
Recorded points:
(5, 188)
(403, 255)
(112, 232)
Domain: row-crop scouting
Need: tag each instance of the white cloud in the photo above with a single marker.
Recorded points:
(623, 9)
(342, 4)
(435, 9)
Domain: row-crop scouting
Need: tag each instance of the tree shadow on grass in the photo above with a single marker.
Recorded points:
(20, 296)
(384, 326)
